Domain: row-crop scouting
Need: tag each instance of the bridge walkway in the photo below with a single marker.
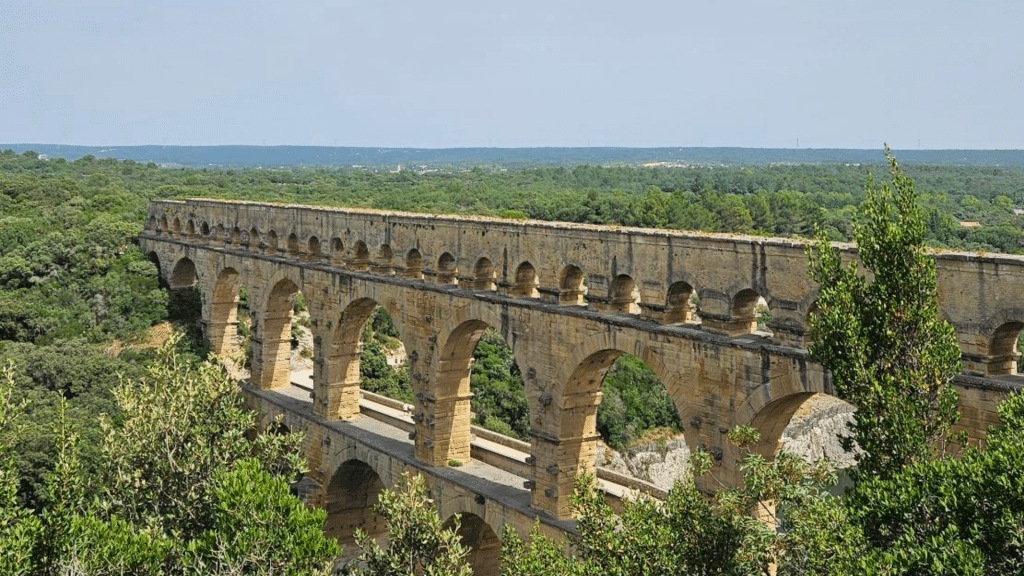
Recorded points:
(498, 469)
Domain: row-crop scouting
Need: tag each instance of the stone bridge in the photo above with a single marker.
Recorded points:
(568, 299)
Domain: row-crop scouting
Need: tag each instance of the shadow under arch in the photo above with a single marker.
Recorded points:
(413, 265)
(184, 275)
(484, 275)
(624, 296)
(483, 543)
(349, 499)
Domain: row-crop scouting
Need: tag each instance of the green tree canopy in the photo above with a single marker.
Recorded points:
(880, 333)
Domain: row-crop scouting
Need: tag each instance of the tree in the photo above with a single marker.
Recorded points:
(889, 353)
(180, 489)
(418, 543)
(694, 533)
(19, 528)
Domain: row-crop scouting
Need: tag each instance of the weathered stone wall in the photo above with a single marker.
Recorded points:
(379, 461)
(445, 279)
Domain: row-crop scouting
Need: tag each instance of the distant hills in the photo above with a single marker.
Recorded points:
(498, 158)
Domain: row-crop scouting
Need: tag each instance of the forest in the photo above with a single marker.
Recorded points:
(77, 296)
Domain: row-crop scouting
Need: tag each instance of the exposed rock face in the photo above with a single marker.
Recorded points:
(659, 463)
(814, 431)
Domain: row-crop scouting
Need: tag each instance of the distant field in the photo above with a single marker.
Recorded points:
(510, 158)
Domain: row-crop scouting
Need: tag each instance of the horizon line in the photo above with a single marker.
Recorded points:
(19, 144)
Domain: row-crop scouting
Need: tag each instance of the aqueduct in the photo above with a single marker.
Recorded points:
(567, 298)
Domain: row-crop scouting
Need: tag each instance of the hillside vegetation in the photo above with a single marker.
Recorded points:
(72, 282)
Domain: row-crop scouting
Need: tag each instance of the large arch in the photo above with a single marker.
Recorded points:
(449, 412)
(184, 275)
(222, 323)
(483, 543)
(349, 499)
(271, 339)
(995, 353)
(337, 389)
(807, 424)
(1002, 349)
(577, 397)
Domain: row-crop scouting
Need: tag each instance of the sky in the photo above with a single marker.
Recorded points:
(931, 74)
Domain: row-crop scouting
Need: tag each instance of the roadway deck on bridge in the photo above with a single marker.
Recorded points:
(482, 478)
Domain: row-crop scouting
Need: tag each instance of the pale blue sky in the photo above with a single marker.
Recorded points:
(831, 73)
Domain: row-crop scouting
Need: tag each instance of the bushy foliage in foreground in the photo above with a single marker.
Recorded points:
(418, 542)
(179, 489)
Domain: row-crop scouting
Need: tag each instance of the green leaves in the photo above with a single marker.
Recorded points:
(889, 352)
(418, 543)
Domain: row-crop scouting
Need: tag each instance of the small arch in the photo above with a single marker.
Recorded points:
(184, 275)
(484, 275)
(293, 245)
(271, 247)
(447, 269)
(384, 256)
(151, 223)
(572, 289)
(191, 228)
(350, 501)
(749, 313)
(236, 237)
(361, 256)
(1002, 349)
(625, 295)
(177, 225)
(205, 229)
(255, 240)
(337, 251)
(313, 248)
(218, 234)
(483, 543)
(812, 311)
(413, 265)
(163, 225)
(526, 282)
(677, 303)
